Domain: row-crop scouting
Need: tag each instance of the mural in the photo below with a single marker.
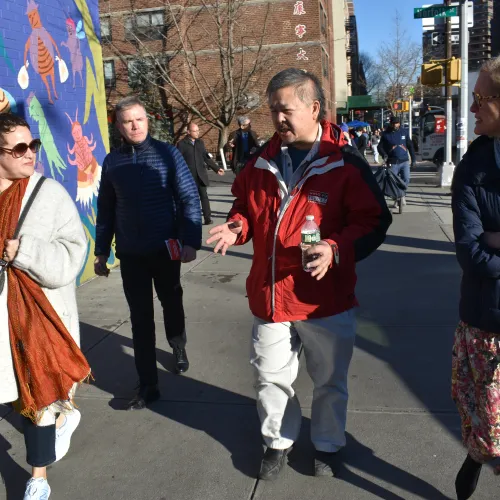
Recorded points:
(40, 45)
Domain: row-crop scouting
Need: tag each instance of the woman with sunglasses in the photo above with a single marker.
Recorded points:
(40, 361)
(476, 223)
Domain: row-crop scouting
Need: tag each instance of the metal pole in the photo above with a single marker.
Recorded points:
(382, 119)
(448, 166)
(410, 104)
(462, 132)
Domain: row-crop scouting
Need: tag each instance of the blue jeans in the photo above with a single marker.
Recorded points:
(403, 171)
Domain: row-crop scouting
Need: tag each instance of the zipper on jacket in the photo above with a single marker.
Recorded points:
(139, 196)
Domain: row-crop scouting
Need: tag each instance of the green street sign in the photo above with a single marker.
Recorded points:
(435, 11)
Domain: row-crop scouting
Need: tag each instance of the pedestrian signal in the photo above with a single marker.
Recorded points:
(397, 106)
(454, 70)
(432, 74)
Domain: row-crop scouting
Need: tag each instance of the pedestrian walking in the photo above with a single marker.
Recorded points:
(303, 172)
(361, 141)
(375, 142)
(43, 247)
(148, 201)
(196, 156)
(396, 148)
(243, 142)
(476, 224)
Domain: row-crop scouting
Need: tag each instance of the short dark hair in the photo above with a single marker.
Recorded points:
(8, 123)
(300, 80)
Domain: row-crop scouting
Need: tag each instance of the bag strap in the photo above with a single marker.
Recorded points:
(27, 207)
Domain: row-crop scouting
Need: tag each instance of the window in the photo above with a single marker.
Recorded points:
(323, 19)
(109, 74)
(325, 63)
(145, 25)
(105, 30)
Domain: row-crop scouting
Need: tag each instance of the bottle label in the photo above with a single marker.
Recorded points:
(310, 238)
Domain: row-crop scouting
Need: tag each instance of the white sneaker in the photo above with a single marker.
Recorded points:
(64, 433)
(37, 489)
(404, 201)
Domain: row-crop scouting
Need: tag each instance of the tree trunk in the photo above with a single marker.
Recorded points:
(223, 135)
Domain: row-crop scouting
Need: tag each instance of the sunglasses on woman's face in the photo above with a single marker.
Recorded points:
(19, 150)
(478, 98)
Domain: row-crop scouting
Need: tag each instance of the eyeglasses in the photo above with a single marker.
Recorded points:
(478, 98)
(19, 150)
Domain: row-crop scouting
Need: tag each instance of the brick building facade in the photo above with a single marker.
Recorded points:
(290, 33)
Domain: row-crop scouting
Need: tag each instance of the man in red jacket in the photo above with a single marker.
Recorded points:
(305, 169)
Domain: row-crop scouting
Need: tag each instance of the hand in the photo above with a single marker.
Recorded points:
(492, 239)
(225, 235)
(324, 255)
(100, 267)
(188, 254)
(231, 143)
(220, 171)
(10, 250)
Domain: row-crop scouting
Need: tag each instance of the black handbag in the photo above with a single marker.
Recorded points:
(3, 263)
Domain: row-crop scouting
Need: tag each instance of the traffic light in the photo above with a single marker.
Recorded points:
(454, 70)
(398, 106)
(432, 74)
(406, 106)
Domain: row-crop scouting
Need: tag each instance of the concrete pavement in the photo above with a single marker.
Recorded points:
(202, 442)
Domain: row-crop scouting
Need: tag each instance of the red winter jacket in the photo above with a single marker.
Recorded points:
(339, 189)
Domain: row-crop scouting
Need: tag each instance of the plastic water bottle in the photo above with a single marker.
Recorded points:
(309, 236)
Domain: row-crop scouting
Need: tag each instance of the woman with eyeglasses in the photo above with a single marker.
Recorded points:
(476, 224)
(40, 258)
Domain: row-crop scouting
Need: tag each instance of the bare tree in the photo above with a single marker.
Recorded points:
(399, 65)
(204, 59)
(372, 78)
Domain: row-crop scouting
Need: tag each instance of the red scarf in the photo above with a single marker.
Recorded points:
(47, 361)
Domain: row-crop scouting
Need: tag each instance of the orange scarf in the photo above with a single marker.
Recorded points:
(47, 361)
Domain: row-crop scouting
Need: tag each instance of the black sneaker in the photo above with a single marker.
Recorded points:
(181, 360)
(273, 463)
(325, 464)
(467, 478)
(145, 395)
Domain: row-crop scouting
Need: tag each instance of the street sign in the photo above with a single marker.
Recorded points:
(430, 23)
(435, 11)
(439, 38)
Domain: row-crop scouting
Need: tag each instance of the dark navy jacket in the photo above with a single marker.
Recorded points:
(476, 209)
(147, 195)
(396, 144)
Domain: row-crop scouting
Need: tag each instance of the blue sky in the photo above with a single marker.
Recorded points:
(375, 20)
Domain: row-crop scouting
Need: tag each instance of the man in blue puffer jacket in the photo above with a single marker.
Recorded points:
(146, 198)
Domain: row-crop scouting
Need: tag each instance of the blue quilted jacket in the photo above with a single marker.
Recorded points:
(147, 195)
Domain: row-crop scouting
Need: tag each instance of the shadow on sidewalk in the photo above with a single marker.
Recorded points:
(358, 456)
(14, 477)
(233, 420)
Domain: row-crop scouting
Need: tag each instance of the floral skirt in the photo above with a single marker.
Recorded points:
(476, 390)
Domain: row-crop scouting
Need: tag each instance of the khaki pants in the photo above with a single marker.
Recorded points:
(328, 346)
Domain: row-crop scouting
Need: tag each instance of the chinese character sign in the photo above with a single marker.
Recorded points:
(300, 30)
(301, 55)
(298, 9)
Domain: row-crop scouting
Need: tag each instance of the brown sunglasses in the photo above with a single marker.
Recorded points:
(478, 98)
(19, 150)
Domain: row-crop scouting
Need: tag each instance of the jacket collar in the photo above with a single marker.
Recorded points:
(188, 140)
(480, 164)
(137, 148)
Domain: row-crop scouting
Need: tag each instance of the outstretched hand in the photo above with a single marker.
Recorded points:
(225, 235)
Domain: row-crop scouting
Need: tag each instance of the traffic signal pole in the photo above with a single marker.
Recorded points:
(448, 165)
(462, 125)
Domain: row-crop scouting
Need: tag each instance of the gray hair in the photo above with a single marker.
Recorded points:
(300, 80)
(243, 119)
(126, 103)
(492, 67)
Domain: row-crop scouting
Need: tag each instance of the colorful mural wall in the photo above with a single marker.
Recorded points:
(51, 73)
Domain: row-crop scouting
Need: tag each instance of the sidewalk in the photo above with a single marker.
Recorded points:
(202, 441)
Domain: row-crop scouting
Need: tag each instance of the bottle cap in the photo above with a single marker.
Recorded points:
(309, 217)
